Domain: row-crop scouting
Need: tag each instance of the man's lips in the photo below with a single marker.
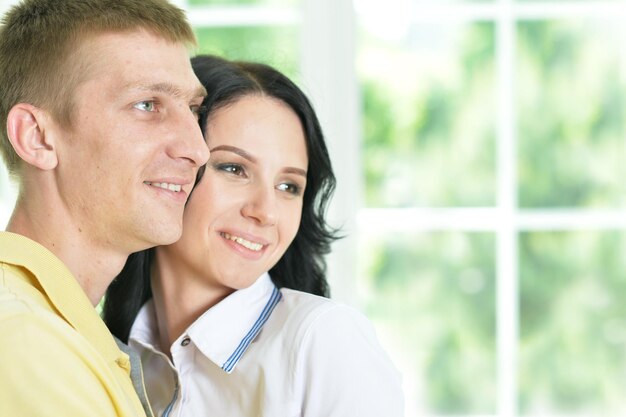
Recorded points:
(176, 187)
(166, 186)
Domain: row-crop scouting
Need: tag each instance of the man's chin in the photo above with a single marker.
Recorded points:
(161, 237)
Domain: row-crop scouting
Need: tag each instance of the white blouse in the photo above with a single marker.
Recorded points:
(272, 353)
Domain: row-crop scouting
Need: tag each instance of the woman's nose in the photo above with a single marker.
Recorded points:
(261, 206)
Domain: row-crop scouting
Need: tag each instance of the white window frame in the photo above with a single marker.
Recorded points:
(506, 219)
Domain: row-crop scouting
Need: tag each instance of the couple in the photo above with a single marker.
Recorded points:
(102, 133)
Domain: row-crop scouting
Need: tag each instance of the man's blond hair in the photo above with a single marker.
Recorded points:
(38, 41)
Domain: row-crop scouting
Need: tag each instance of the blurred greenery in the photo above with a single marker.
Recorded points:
(242, 2)
(428, 116)
(7, 195)
(572, 114)
(360, 4)
(276, 45)
(429, 140)
(432, 299)
(573, 323)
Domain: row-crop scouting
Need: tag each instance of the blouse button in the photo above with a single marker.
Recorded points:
(185, 341)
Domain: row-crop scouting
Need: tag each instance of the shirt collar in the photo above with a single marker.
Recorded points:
(226, 330)
(63, 292)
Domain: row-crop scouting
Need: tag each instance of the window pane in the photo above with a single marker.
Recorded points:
(557, 1)
(431, 298)
(275, 45)
(572, 114)
(8, 194)
(573, 323)
(428, 113)
(406, 6)
(243, 2)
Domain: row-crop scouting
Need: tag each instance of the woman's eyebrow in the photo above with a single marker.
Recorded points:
(234, 149)
(297, 171)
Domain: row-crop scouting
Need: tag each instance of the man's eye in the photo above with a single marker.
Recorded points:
(197, 109)
(149, 106)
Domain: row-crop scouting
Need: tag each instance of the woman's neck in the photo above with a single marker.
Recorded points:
(180, 297)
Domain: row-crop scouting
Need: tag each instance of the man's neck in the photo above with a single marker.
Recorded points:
(94, 266)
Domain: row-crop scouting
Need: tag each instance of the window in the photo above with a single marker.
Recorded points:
(492, 222)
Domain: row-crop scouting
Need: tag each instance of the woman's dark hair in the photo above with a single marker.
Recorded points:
(302, 267)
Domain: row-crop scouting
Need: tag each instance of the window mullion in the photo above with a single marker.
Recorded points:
(329, 78)
(507, 288)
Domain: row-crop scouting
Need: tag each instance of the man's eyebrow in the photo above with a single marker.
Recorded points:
(172, 90)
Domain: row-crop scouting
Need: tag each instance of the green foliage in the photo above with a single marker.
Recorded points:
(429, 131)
(433, 295)
(571, 114)
(573, 322)
(428, 118)
(241, 2)
(274, 45)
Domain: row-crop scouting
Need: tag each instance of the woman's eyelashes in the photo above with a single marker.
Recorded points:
(236, 170)
(290, 188)
(230, 168)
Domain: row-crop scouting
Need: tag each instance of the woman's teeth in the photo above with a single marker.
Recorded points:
(243, 242)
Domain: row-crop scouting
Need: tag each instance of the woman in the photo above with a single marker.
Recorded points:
(218, 334)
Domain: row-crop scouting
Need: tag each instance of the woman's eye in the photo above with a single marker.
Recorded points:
(231, 169)
(289, 188)
(148, 105)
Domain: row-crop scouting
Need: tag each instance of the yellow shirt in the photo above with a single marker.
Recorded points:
(57, 358)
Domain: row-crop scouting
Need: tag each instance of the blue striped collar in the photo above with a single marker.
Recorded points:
(230, 363)
(224, 333)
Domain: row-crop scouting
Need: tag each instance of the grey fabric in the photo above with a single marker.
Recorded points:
(136, 375)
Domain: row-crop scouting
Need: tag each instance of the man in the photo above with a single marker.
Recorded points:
(100, 105)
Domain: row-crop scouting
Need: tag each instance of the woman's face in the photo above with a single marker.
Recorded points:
(246, 210)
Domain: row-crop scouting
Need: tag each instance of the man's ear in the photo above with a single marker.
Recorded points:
(26, 129)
